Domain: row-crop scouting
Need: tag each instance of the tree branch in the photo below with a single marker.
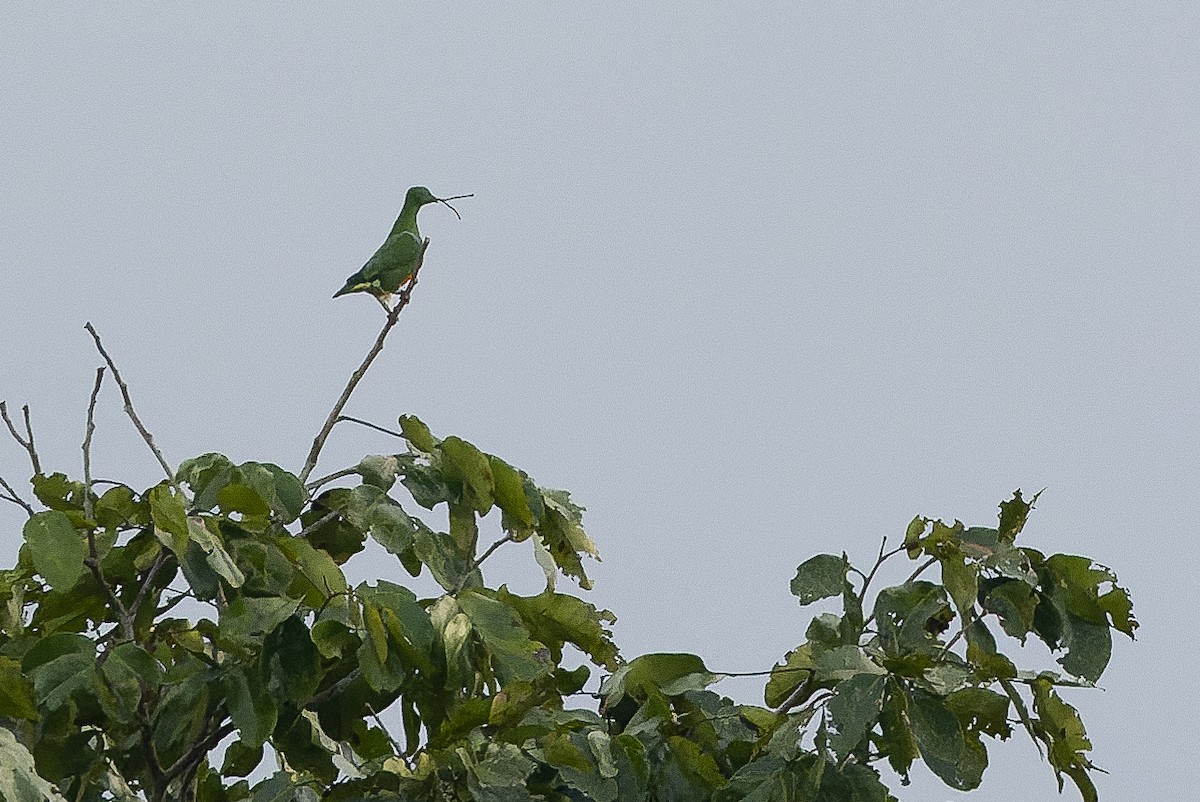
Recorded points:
(462, 582)
(26, 444)
(129, 410)
(369, 425)
(393, 317)
(315, 483)
(13, 497)
(89, 507)
(333, 690)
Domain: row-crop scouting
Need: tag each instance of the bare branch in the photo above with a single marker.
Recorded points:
(393, 317)
(89, 507)
(317, 524)
(26, 442)
(92, 561)
(13, 497)
(369, 425)
(333, 690)
(462, 583)
(159, 561)
(129, 410)
(315, 483)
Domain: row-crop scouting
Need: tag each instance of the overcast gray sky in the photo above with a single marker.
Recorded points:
(752, 283)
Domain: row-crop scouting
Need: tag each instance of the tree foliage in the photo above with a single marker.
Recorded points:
(199, 640)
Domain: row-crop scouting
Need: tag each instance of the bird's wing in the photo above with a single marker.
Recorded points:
(394, 260)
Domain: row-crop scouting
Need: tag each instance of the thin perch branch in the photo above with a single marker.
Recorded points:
(369, 425)
(26, 444)
(14, 498)
(129, 410)
(89, 507)
(393, 317)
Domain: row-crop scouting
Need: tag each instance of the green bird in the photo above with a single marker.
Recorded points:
(393, 264)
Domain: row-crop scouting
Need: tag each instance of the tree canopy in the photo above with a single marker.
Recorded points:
(198, 640)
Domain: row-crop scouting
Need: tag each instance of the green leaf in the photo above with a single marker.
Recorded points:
(1059, 725)
(322, 575)
(205, 534)
(897, 742)
(797, 668)
(1013, 602)
(253, 710)
(939, 736)
(117, 509)
(247, 620)
(983, 656)
(515, 656)
(418, 434)
(843, 662)
(667, 673)
(688, 774)
(469, 468)
(169, 514)
(855, 707)
(557, 618)
(16, 694)
(333, 638)
(19, 780)
(241, 758)
(379, 470)
(509, 490)
(819, 577)
(912, 535)
(56, 547)
(981, 710)
(58, 492)
(291, 662)
(438, 552)
(199, 472)
(338, 537)
(1013, 514)
(61, 666)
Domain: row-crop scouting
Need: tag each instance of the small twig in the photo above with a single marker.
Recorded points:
(920, 570)
(92, 561)
(797, 696)
(192, 757)
(880, 560)
(14, 498)
(155, 567)
(768, 673)
(393, 317)
(333, 690)
(384, 729)
(462, 582)
(315, 483)
(129, 410)
(317, 524)
(89, 506)
(26, 444)
(370, 425)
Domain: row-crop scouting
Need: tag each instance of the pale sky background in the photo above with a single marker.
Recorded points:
(752, 283)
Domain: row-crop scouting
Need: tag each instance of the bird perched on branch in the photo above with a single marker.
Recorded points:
(393, 264)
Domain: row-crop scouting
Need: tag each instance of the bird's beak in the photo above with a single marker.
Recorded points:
(454, 197)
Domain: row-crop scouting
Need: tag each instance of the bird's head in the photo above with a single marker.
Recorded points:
(419, 196)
